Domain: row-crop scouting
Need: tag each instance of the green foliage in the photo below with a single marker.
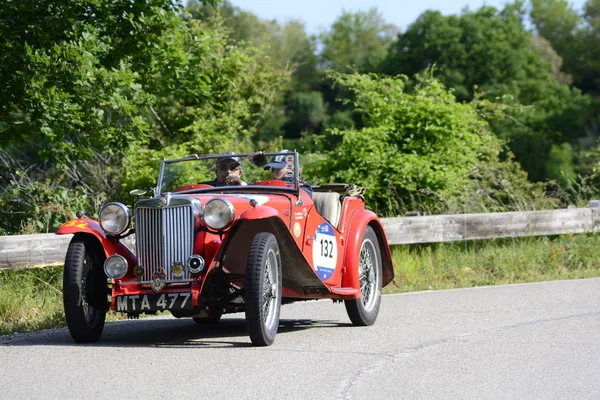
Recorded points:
(31, 202)
(574, 36)
(287, 47)
(210, 100)
(357, 42)
(560, 164)
(42, 206)
(416, 150)
(492, 51)
(97, 93)
(483, 48)
(557, 22)
(545, 49)
(72, 72)
(306, 113)
(558, 114)
(30, 299)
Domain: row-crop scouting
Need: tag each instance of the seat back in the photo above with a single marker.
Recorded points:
(329, 206)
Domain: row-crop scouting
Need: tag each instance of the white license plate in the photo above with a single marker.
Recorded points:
(154, 302)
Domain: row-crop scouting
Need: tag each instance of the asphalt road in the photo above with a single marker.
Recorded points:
(534, 341)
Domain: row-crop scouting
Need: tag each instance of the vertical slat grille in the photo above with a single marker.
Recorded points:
(164, 236)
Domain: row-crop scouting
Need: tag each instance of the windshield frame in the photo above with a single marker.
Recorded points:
(242, 157)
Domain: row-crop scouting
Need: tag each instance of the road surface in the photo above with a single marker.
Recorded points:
(529, 341)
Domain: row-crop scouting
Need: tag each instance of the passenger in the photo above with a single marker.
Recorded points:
(280, 169)
(228, 170)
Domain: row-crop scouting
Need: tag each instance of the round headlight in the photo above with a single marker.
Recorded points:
(115, 266)
(114, 218)
(218, 213)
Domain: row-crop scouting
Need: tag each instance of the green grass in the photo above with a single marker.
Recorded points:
(31, 299)
(494, 262)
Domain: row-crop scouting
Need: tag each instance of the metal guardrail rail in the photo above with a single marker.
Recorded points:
(49, 249)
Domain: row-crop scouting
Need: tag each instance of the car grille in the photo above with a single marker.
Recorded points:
(164, 236)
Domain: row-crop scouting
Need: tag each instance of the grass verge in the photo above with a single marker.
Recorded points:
(31, 299)
(494, 262)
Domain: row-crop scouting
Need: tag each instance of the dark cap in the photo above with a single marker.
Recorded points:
(278, 161)
(229, 156)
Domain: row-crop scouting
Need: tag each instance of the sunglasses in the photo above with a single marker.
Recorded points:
(229, 167)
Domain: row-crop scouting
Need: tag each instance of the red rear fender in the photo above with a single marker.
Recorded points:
(358, 223)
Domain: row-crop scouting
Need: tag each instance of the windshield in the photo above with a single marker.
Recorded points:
(225, 170)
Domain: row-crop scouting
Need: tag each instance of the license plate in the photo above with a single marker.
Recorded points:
(154, 302)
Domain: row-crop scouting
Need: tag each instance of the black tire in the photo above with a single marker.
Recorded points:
(363, 311)
(85, 290)
(263, 289)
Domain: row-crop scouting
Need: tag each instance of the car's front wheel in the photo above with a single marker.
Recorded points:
(263, 289)
(85, 290)
(364, 311)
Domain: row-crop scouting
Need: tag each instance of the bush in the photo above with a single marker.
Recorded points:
(423, 150)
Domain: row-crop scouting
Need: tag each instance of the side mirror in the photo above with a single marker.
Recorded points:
(259, 159)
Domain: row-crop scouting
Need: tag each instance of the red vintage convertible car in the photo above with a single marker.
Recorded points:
(202, 251)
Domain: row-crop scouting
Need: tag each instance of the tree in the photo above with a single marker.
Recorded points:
(357, 41)
(243, 26)
(545, 49)
(557, 22)
(575, 38)
(491, 51)
(306, 113)
(288, 47)
(120, 83)
(486, 49)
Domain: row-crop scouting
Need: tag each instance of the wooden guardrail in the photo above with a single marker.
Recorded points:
(448, 228)
(48, 249)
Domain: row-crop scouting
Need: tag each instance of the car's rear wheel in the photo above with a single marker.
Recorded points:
(85, 290)
(263, 289)
(364, 311)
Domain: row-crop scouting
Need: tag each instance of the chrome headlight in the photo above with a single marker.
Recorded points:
(218, 213)
(114, 218)
(115, 266)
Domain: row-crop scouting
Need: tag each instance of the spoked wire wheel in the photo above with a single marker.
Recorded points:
(364, 311)
(263, 289)
(368, 274)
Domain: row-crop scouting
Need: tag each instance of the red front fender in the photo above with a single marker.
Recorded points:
(86, 226)
(260, 212)
(358, 223)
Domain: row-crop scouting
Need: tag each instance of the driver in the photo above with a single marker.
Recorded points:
(228, 170)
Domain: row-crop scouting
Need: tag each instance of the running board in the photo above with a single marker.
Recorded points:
(346, 291)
